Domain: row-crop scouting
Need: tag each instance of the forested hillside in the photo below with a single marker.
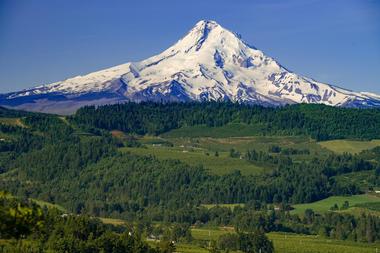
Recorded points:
(83, 164)
(49, 230)
(319, 121)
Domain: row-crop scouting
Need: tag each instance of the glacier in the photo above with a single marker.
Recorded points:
(210, 63)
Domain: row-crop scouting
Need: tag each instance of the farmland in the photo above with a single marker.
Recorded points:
(214, 153)
(349, 146)
(293, 243)
(165, 179)
(221, 164)
(286, 243)
(283, 243)
(230, 130)
(325, 204)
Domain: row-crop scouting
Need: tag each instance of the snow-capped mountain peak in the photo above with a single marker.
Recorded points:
(208, 63)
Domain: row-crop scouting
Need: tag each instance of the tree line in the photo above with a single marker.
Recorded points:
(318, 121)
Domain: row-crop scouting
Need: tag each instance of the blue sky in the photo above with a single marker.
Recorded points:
(42, 41)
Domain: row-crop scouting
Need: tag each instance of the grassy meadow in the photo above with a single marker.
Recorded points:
(325, 204)
(112, 221)
(349, 146)
(231, 206)
(285, 243)
(229, 130)
(48, 204)
(295, 243)
(11, 121)
(221, 164)
(214, 152)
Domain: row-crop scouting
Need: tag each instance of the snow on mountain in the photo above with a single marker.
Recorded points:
(209, 63)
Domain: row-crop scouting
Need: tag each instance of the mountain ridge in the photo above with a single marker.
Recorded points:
(210, 63)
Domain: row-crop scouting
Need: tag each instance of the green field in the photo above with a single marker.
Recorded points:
(229, 130)
(112, 221)
(238, 137)
(283, 242)
(293, 243)
(349, 146)
(325, 204)
(209, 234)
(231, 206)
(49, 205)
(188, 248)
(287, 243)
(197, 145)
(221, 164)
(11, 121)
(248, 142)
(37, 201)
(202, 150)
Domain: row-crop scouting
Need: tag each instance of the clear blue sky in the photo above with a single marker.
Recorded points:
(333, 41)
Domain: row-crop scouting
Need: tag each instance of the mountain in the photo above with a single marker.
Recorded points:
(209, 63)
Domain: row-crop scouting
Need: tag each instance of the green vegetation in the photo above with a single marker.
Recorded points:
(229, 130)
(259, 143)
(208, 234)
(158, 170)
(325, 205)
(214, 153)
(42, 204)
(11, 121)
(286, 242)
(349, 146)
(231, 206)
(367, 181)
(189, 248)
(374, 206)
(293, 243)
(26, 227)
(221, 164)
(115, 222)
(318, 121)
(242, 144)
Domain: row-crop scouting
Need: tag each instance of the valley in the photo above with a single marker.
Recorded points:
(181, 173)
(147, 127)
